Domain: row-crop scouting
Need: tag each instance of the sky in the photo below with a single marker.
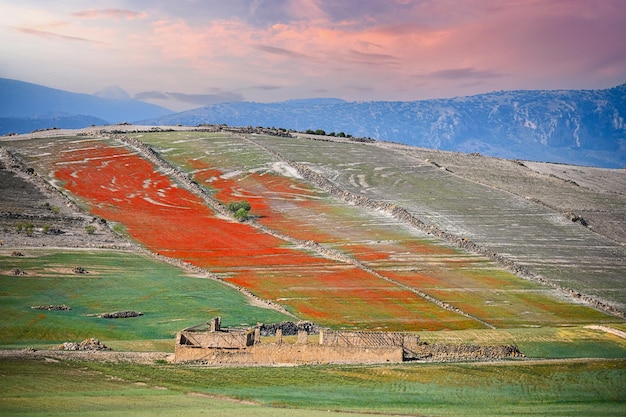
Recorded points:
(187, 53)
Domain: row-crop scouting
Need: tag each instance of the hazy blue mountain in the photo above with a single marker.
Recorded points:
(25, 125)
(21, 101)
(114, 92)
(584, 127)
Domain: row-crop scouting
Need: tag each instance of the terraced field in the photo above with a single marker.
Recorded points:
(508, 210)
(388, 248)
(349, 235)
(339, 264)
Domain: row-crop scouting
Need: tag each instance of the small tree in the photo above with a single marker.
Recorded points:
(90, 229)
(239, 209)
(241, 214)
(234, 206)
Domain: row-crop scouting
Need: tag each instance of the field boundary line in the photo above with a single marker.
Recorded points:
(607, 329)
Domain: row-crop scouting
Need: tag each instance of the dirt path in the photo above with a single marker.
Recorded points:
(616, 332)
(145, 358)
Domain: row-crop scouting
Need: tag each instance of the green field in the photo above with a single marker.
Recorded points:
(170, 298)
(552, 388)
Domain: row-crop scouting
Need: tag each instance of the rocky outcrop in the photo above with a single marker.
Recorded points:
(61, 307)
(120, 314)
(87, 344)
(289, 328)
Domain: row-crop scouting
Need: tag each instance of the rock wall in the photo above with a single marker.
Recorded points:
(458, 353)
(287, 354)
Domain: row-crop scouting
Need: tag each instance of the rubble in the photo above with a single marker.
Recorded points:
(120, 314)
(87, 344)
(61, 307)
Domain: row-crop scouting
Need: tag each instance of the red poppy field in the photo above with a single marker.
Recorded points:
(122, 187)
(292, 207)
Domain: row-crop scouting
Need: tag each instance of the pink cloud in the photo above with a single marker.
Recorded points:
(115, 14)
(52, 35)
(397, 50)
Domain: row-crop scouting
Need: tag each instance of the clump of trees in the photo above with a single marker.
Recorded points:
(240, 209)
(322, 132)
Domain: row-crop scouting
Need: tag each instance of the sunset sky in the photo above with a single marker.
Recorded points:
(188, 53)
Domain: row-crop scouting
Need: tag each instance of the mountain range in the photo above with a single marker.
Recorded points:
(25, 107)
(581, 127)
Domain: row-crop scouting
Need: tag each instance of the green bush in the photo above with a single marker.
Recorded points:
(241, 214)
(235, 206)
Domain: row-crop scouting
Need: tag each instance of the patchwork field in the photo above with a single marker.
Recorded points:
(491, 259)
(512, 212)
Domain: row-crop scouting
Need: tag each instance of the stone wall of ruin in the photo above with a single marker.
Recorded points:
(223, 340)
(288, 354)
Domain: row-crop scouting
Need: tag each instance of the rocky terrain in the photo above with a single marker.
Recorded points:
(34, 213)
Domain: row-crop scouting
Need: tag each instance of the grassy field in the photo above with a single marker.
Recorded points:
(170, 298)
(96, 389)
(541, 342)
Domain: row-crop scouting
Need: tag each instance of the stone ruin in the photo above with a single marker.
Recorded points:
(90, 344)
(210, 344)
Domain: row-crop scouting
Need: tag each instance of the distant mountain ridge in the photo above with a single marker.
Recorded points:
(583, 127)
(25, 107)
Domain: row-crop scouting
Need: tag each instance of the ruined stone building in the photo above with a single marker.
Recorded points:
(212, 345)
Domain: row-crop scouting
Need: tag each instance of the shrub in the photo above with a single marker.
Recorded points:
(90, 229)
(241, 214)
(235, 206)
(239, 209)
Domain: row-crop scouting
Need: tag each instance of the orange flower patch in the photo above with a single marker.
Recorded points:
(122, 187)
(349, 296)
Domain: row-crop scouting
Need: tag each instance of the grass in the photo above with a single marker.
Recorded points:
(544, 342)
(170, 298)
(98, 389)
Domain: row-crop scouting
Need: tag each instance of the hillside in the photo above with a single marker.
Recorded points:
(25, 107)
(582, 127)
(125, 234)
(559, 226)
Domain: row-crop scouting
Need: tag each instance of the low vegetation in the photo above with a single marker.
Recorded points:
(551, 388)
(170, 298)
(330, 258)
(239, 209)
